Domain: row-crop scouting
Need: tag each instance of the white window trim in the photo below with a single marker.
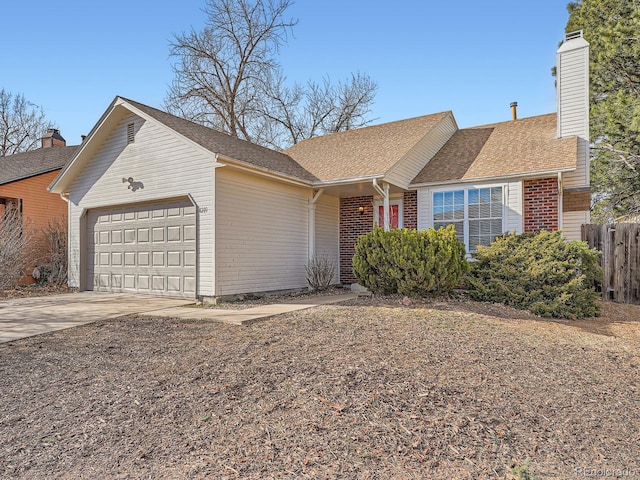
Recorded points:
(466, 188)
(378, 202)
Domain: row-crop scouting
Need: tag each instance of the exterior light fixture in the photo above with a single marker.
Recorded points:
(361, 210)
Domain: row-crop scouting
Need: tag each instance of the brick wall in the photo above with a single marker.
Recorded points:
(540, 204)
(410, 208)
(352, 225)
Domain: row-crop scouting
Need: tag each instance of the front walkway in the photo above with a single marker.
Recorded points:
(250, 315)
(26, 317)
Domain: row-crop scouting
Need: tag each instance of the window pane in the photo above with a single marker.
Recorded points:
(459, 197)
(474, 211)
(485, 210)
(496, 210)
(496, 228)
(473, 196)
(474, 227)
(496, 195)
(438, 199)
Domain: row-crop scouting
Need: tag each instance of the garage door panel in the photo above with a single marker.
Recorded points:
(144, 248)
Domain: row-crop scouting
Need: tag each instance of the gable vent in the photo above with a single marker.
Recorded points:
(130, 133)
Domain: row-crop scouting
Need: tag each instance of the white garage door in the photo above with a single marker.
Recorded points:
(144, 248)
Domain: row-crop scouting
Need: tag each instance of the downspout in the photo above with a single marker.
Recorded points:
(384, 193)
(560, 201)
(312, 223)
(66, 199)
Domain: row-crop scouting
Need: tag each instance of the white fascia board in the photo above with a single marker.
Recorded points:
(542, 173)
(347, 181)
(247, 167)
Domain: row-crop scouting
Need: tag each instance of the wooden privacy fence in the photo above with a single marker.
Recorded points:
(620, 247)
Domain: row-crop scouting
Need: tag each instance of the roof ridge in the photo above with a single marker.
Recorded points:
(363, 130)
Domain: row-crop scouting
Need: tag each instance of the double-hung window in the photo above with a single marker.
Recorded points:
(476, 213)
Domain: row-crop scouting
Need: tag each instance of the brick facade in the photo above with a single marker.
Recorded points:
(410, 209)
(352, 225)
(540, 204)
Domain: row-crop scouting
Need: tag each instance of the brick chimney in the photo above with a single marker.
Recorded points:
(53, 139)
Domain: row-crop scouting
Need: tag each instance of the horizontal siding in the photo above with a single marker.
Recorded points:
(261, 234)
(424, 209)
(572, 223)
(328, 230)
(39, 208)
(513, 220)
(573, 109)
(166, 166)
(414, 161)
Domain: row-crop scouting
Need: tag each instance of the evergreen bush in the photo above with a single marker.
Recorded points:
(543, 273)
(410, 262)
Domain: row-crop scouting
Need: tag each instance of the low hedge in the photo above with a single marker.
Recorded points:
(410, 262)
(543, 273)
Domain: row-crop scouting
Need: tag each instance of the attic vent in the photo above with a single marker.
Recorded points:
(130, 133)
(573, 35)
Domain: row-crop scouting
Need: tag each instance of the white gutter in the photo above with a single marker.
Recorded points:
(346, 181)
(544, 173)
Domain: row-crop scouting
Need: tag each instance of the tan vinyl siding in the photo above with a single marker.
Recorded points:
(328, 230)
(513, 220)
(414, 161)
(573, 108)
(261, 234)
(165, 167)
(572, 223)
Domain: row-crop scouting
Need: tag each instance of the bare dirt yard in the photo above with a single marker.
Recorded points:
(368, 390)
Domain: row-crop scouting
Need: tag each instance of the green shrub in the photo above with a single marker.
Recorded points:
(543, 273)
(410, 262)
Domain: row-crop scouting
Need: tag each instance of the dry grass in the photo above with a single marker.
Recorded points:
(373, 390)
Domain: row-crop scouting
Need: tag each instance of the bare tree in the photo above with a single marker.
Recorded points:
(16, 241)
(297, 112)
(22, 124)
(227, 77)
(221, 69)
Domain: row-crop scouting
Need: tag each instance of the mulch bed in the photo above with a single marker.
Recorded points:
(370, 389)
(36, 290)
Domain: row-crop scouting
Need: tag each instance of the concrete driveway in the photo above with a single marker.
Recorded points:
(25, 317)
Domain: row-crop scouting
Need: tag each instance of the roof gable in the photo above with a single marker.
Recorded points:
(230, 147)
(211, 141)
(35, 162)
(363, 152)
(519, 147)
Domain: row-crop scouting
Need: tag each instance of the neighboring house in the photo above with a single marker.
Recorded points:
(24, 178)
(161, 205)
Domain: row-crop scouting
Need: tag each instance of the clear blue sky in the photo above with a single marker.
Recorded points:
(73, 57)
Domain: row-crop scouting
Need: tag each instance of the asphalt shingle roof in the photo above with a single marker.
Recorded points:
(229, 146)
(523, 146)
(364, 151)
(35, 162)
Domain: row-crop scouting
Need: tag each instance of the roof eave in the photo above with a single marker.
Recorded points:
(31, 175)
(511, 176)
(241, 165)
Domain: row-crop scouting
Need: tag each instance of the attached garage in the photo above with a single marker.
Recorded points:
(143, 248)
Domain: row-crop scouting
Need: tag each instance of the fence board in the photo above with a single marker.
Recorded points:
(620, 247)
